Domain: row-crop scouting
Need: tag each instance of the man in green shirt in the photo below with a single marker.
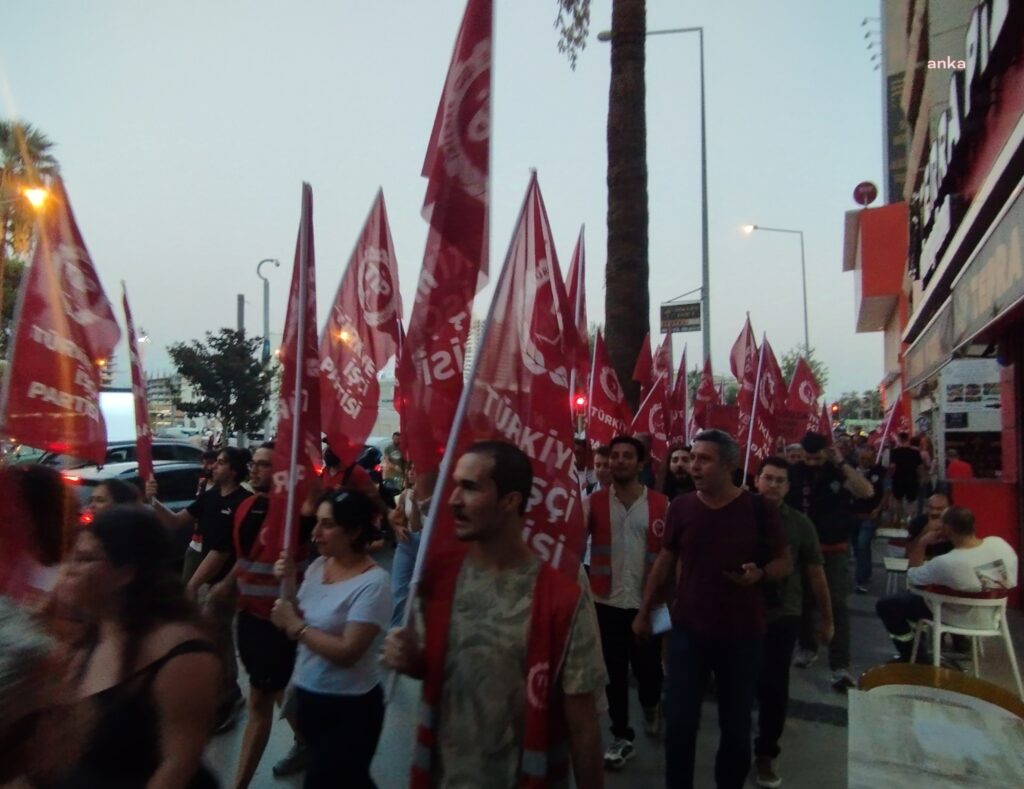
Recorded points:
(784, 618)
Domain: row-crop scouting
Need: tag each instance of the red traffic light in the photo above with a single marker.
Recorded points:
(580, 401)
(835, 408)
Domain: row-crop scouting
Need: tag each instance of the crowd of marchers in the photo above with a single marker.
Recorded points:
(120, 661)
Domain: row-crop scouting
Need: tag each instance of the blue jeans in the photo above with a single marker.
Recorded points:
(401, 573)
(862, 550)
(692, 658)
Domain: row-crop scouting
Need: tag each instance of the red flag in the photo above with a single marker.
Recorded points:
(643, 370)
(743, 361)
(824, 426)
(143, 435)
(895, 422)
(518, 391)
(769, 398)
(706, 396)
(65, 333)
(650, 419)
(297, 450)
(678, 427)
(609, 412)
(575, 282)
(804, 390)
(362, 334)
(457, 165)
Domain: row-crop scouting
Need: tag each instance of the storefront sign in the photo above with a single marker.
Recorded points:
(680, 317)
(994, 279)
(935, 211)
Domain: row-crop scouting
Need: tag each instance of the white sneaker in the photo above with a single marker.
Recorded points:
(805, 658)
(618, 753)
(842, 680)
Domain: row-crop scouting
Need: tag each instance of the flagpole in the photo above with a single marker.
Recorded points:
(753, 408)
(590, 385)
(686, 398)
(885, 432)
(300, 361)
(13, 342)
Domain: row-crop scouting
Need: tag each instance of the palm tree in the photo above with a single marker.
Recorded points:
(26, 158)
(627, 296)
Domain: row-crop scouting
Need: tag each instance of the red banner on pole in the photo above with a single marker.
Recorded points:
(65, 332)
(650, 420)
(643, 370)
(609, 412)
(743, 361)
(518, 391)
(679, 432)
(362, 334)
(706, 397)
(804, 390)
(575, 286)
(143, 434)
(769, 396)
(457, 164)
(297, 450)
(896, 421)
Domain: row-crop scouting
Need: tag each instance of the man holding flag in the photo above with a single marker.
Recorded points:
(485, 722)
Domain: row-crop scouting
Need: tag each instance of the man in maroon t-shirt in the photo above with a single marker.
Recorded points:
(728, 543)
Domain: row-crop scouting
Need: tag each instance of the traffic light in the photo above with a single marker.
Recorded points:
(579, 402)
(835, 409)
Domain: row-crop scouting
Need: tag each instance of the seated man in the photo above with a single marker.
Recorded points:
(927, 536)
(974, 564)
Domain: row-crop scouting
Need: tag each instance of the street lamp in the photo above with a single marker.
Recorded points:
(705, 291)
(266, 307)
(36, 197)
(749, 229)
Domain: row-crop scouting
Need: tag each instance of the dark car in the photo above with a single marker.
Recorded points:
(177, 480)
(124, 451)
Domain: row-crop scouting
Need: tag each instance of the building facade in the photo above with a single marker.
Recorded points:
(940, 268)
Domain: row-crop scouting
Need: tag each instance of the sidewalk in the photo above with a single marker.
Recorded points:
(813, 746)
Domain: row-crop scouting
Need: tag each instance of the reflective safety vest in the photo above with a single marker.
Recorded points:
(599, 524)
(254, 571)
(544, 760)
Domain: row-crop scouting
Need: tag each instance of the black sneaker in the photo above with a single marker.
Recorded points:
(293, 762)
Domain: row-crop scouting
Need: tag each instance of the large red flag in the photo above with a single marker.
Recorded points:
(661, 364)
(679, 432)
(362, 334)
(65, 332)
(705, 397)
(895, 422)
(143, 434)
(518, 391)
(297, 451)
(769, 398)
(651, 419)
(575, 287)
(743, 362)
(609, 412)
(804, 390)
(457, 164)
(643, 370)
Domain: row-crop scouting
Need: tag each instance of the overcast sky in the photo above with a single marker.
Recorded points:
(185, 129)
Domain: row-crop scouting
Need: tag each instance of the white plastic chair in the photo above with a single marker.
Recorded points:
(895, 573)
(993, 601)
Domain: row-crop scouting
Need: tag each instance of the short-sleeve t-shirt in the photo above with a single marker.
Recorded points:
(709, 542)
(330, 607)
(805, 550)
(906, 460)
(875, 474)
(819, 492)
(215, 520)
(483, 701)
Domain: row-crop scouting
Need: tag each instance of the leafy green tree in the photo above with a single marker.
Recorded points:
(230, 382)
(11, 283)
(872, 404)
(818, 367)
(627, 295)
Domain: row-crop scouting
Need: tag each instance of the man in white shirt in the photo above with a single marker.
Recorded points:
(974, 565)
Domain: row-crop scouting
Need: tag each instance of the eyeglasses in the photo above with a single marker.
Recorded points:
(259, 464)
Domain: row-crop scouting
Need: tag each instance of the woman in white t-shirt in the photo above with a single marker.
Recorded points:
(338, 617)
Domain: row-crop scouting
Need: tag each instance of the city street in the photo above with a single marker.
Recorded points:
(813, 746)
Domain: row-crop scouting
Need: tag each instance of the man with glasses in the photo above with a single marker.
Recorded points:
(212, 515)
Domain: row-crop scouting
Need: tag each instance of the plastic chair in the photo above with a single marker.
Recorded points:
(939, 684)
(993, 600)
(895, 573)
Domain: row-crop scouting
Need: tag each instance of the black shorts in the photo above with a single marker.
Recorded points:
(267, 653)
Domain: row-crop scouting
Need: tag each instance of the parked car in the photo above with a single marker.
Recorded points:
(177, 481)
(124, 451)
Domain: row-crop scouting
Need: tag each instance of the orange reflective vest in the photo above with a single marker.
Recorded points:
(254, 571)
(599, 524)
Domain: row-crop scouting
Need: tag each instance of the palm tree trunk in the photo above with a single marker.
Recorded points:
(627, 301)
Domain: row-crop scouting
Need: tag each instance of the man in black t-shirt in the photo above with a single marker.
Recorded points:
(212, 515)
(865, 513)
(907, 468)
(823, 488)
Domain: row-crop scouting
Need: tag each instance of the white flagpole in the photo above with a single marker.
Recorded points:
(885, 432)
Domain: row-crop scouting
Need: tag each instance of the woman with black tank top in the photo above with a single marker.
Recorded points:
(146, 669)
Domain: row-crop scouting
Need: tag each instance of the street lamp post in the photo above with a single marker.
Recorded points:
(266, 307)
(705, 270)
(748, 229)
